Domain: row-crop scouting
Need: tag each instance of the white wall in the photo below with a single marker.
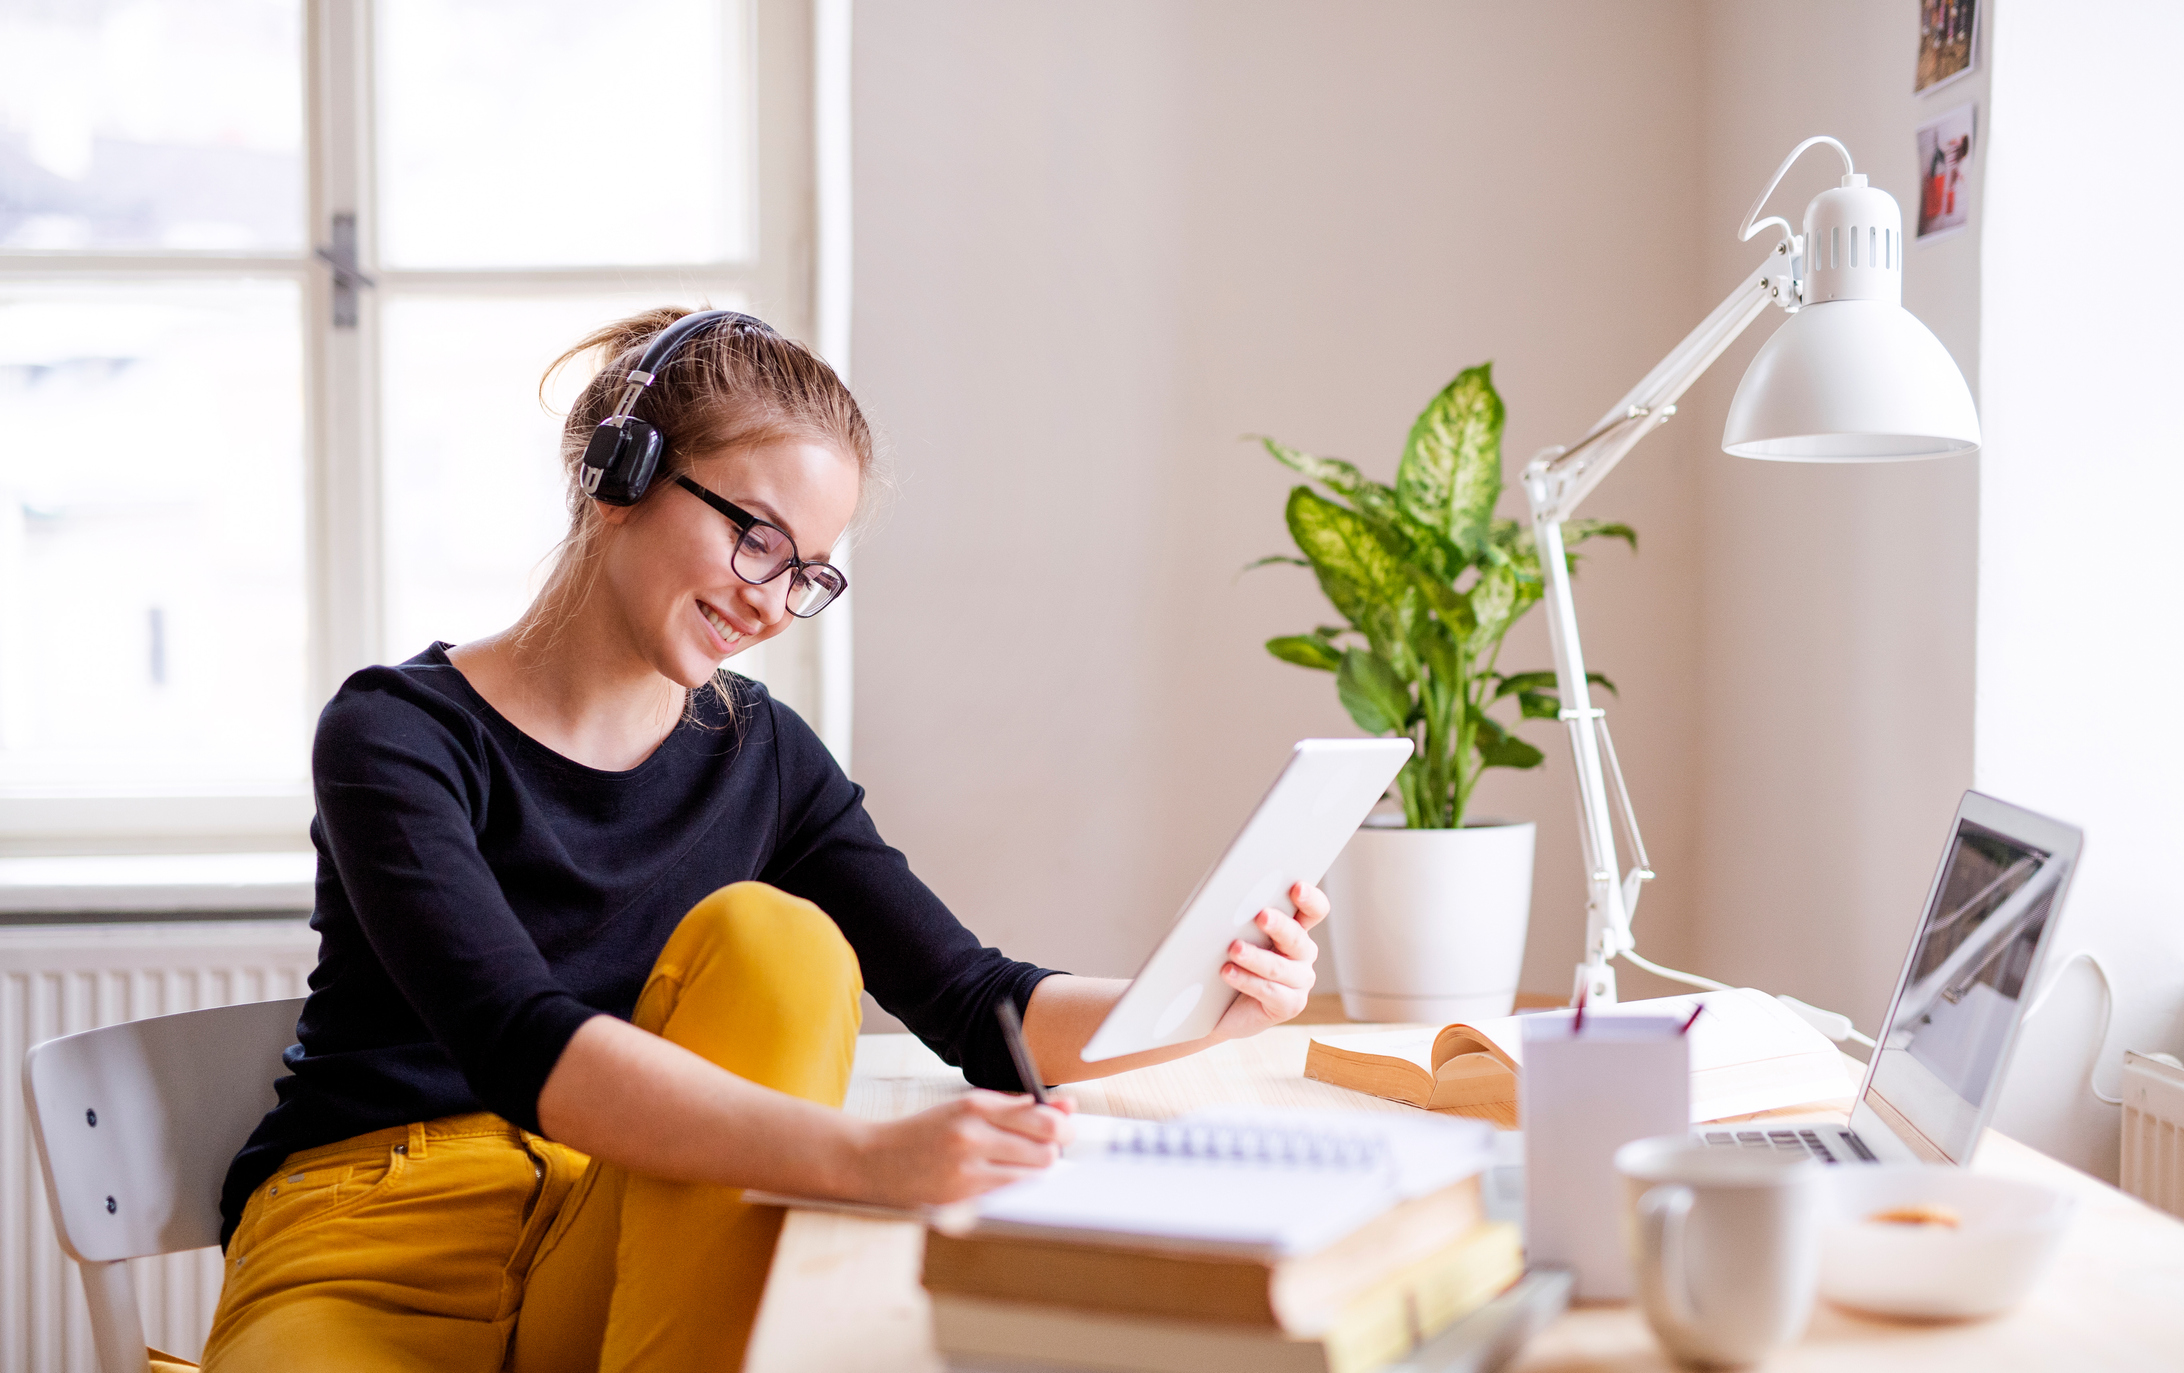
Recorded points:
(1096, 244)
(2079, 648)
(1836, 601)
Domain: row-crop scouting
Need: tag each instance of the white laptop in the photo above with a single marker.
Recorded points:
(1975, 960)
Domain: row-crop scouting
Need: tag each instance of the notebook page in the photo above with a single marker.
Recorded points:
(1269, 1210)
(1258, 1180)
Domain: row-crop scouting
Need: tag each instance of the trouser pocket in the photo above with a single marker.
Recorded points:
(313, 1188)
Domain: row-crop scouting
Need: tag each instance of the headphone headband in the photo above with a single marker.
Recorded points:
(624, 450)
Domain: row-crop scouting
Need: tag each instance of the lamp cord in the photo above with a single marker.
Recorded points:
(2108, 1004)
(1745, 234)
(2108, 1015)
(1709, 984)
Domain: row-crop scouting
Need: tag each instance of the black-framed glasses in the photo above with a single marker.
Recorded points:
(764, 551)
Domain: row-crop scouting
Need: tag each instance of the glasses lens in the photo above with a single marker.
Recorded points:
(814, 588)
(761, 553)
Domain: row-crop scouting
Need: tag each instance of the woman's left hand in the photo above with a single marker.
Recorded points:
(1275, 982)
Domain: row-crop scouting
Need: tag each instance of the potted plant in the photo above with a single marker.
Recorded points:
(1430, 916)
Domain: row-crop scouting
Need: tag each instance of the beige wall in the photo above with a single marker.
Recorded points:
(1095, 245)
(1836, 602)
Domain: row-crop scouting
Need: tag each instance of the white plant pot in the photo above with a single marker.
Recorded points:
(1429, 925)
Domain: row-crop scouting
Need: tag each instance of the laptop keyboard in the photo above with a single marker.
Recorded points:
(1804, 1142)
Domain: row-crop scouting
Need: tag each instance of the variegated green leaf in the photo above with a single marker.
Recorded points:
(1357, 570)
(1494, 607)
(1333, 473)
(1453, 606)
(1450, 475)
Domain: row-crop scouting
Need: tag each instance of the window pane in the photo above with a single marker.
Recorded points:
(151, 536)
(475, 496)
(520, 133)
(151, 124)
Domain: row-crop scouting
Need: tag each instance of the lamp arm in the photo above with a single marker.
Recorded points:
(1555, 482)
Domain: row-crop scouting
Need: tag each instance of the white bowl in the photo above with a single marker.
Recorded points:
(2008, 1233)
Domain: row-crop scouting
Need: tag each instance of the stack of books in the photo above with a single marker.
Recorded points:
(1227, 1240)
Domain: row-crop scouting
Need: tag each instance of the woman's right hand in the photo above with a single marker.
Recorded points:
(973, 1144)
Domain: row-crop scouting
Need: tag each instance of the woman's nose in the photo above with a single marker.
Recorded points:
(769, 601)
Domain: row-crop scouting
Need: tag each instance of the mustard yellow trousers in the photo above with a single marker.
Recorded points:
(466, 1245)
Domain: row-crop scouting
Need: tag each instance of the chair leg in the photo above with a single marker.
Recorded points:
(117, 1331)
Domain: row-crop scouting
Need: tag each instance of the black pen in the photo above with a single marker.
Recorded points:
(1012, 1033)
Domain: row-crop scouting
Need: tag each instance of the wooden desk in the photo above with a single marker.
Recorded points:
(844, 1295)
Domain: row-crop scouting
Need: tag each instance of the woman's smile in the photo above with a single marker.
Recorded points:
(726, 637)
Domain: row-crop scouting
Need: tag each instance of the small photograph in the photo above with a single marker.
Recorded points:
(1945, 155)
(1948, 34)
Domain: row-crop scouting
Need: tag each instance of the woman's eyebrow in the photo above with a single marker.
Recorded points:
(773, 517)
(767, 513)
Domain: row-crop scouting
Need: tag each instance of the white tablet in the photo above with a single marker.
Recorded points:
(1322, 796)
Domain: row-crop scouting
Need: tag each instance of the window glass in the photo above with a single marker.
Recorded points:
(151, 535)
(539, 133)
(156, 125)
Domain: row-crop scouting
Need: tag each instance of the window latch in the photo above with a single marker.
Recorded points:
(340, 255)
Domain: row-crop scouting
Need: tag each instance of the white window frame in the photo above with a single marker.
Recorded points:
(797, 275)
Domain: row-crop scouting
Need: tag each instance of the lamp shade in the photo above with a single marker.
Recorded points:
(1853, 376)
(1852, 381)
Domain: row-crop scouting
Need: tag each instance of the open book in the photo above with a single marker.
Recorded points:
(1749, 1053)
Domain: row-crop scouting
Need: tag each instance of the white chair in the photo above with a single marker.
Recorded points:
(136, 1125)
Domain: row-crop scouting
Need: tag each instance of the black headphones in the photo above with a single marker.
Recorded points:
(625, 451)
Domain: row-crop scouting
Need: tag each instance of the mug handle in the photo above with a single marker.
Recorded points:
(1662, 1212)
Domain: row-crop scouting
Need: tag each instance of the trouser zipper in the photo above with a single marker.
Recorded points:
(538, 1186)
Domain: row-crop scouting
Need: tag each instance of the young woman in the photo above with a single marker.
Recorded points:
(595, 915)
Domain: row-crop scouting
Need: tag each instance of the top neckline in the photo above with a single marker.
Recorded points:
(436, 656)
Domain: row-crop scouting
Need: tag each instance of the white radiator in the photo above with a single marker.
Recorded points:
(57, 980)
(2153, 1132)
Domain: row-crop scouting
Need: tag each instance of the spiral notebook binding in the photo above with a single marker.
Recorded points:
(1237, 1144)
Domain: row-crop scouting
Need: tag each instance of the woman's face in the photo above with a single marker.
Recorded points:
(666, 568)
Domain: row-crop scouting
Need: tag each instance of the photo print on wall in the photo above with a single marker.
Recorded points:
(1948, 42)
(1945, 155)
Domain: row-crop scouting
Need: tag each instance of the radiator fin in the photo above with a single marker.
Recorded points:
(2153, 1132)
(61, 979)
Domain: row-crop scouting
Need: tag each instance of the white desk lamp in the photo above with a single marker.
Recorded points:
(1851, 376)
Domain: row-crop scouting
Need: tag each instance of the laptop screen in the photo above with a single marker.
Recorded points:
(1940, 1060)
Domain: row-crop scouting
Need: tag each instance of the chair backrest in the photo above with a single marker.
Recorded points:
(136, 1124)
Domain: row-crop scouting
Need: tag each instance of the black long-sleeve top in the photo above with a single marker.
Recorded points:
(480, 896)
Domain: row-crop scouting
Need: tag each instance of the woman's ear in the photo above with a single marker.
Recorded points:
(613, 515)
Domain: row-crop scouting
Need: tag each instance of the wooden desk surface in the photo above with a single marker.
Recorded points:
(844, 1293)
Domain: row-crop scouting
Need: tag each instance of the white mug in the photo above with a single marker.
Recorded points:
(1725, 1244)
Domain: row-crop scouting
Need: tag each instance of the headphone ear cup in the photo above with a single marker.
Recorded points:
(619, 461)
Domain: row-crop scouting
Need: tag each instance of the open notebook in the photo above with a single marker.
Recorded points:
(1251, 1182)
(1254, 1181)
(1749, 1053)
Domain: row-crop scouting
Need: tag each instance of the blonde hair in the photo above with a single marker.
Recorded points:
(733, 384)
